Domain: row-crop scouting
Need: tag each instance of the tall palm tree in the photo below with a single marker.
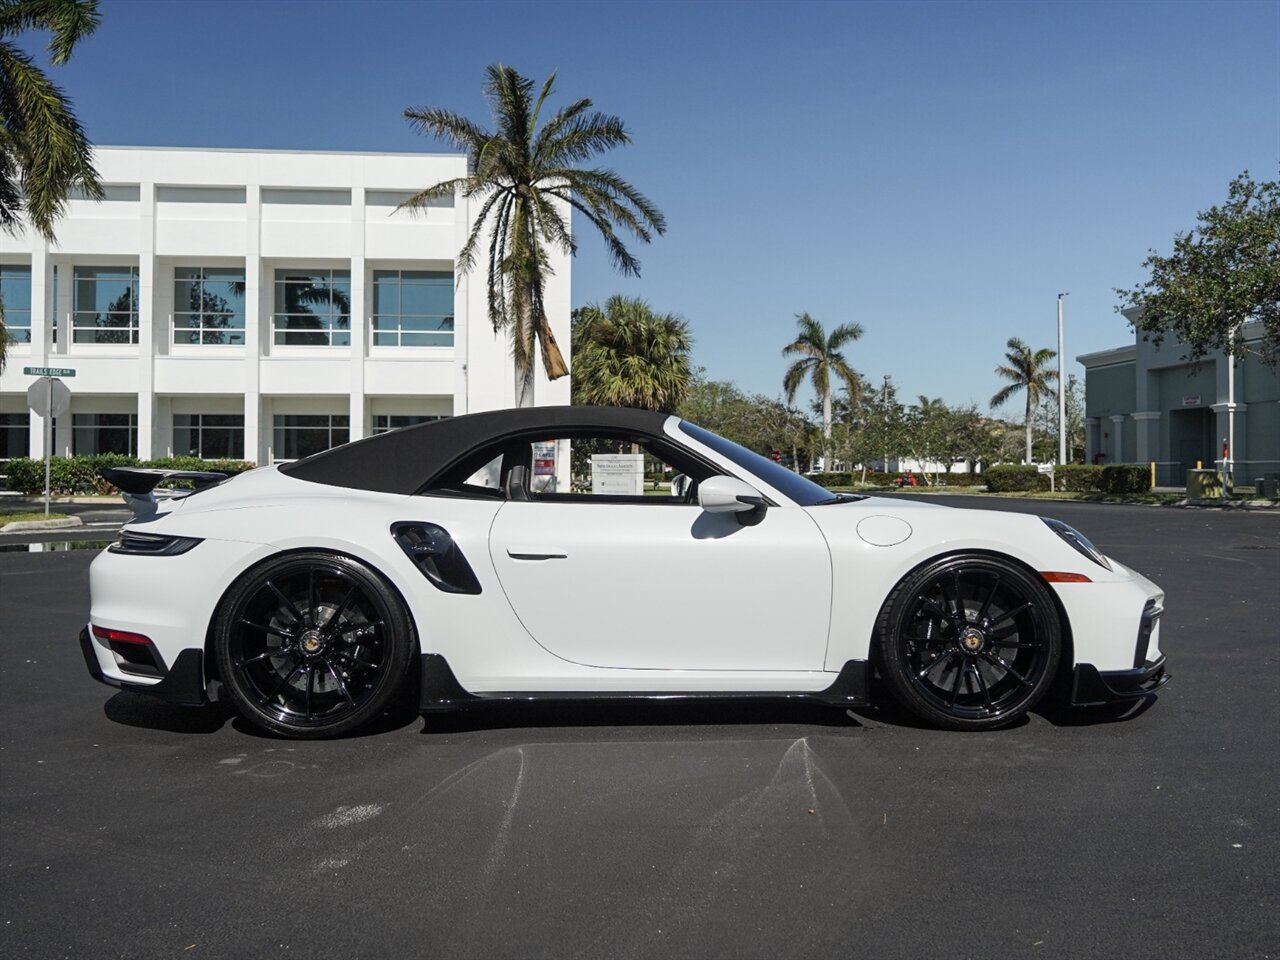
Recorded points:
(1027, 371)
(526, 177)
(44, 153)
(628, 356)
(820, 358)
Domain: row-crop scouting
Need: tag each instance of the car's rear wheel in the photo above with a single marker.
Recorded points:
(312, 645)
(970, 642)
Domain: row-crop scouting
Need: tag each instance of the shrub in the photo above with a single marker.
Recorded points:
(1078, 477)
(82, 474)
(1125, 478)
(1010, 477)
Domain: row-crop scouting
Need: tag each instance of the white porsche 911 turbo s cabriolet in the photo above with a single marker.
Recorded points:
(312, 593)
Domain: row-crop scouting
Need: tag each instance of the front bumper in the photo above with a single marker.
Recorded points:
(182, 684)
(1091, 687)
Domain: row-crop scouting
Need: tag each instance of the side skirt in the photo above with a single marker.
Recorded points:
(441, 691)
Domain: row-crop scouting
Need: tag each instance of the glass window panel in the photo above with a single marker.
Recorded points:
(235, 420)
(415, 340)
(221, 443)
(186, 295)
(15, 435)
(423, 298)
(386, 297)
(187, 273)
(386, 339)
(15, 288)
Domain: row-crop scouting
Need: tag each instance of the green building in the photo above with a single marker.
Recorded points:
(1147, 404)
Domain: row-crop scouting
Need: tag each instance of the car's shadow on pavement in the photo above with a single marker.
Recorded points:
(621, 712)
(1063, 715)
(149, 713)
(138, 710)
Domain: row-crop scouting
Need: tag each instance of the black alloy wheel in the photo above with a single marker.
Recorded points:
(312, 645)
(970, 642)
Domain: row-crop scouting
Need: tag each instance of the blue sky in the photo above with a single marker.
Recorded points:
(937, 172)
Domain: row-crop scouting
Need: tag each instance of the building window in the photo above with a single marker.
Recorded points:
(15, 435)
(412, 308)
(104, 433)
(208, 305)
(106, 305)
(209, 436)
(384, 423)
(15, 294)
(312, 308)
(300, 435)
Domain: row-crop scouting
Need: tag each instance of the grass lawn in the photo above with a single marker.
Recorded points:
(15, 517)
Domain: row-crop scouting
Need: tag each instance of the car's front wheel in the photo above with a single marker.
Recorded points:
(969, 642)
(312, 644)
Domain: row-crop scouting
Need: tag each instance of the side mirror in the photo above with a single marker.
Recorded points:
(727, 495)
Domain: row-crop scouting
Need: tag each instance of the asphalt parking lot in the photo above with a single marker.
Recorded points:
(133, 829)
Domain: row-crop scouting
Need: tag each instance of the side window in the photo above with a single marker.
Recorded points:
(488, 477)
(609, 469)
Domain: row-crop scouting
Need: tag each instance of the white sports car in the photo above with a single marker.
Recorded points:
(441, 555)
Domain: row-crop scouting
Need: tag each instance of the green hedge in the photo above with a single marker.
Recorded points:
(1125, 478)
(82, 474)
(1078, 477)
(1011, 477)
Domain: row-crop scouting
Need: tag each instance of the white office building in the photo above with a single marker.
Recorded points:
(257, 305)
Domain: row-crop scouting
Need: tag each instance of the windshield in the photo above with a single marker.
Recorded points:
(802, 491)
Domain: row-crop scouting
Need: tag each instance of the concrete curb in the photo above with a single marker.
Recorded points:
(22, 526)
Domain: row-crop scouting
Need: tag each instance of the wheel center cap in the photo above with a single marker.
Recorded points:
(972, 639)
(311, 642)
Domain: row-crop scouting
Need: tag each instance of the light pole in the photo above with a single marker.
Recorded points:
(1062, 389)
(884, 413)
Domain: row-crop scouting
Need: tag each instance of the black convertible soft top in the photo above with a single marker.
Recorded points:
(404, 460)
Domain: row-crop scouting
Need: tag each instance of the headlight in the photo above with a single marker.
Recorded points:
(151, 544)
(1077, 540)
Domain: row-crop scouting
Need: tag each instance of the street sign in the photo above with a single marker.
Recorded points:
(48, 371)
(49, 397)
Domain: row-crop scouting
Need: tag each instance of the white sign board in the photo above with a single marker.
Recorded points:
(618, 473)
(47, 396)
(1191, 400)
(1044, 468)
(544, 467)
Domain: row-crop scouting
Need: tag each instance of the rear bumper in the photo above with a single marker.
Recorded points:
(1091, 687)
(181, 684)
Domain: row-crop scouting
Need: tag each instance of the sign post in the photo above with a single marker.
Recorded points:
(1046, 468)
(49, 397)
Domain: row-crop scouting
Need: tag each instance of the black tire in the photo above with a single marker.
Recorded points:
(969, 642)
(312, 645)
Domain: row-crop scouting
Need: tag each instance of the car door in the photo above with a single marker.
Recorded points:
(653, 586)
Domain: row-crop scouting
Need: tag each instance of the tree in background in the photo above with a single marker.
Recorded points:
(44, 154)
(625, 355)
(525, 177)
(759, 423)
(820, 358)
(1220, 275)
(1046, 419)
(1027, 371)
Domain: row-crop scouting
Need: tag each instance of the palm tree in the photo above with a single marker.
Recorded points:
(44, 154)
(626, 355)
(821, 357)
(1025, 371)
(525, 177)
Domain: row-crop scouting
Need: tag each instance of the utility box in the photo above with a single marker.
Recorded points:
(1203, 485)
(1269, 486)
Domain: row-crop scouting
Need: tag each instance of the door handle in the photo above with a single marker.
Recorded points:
(537, 553)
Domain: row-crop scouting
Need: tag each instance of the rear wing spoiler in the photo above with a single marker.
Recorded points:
(137, 484)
